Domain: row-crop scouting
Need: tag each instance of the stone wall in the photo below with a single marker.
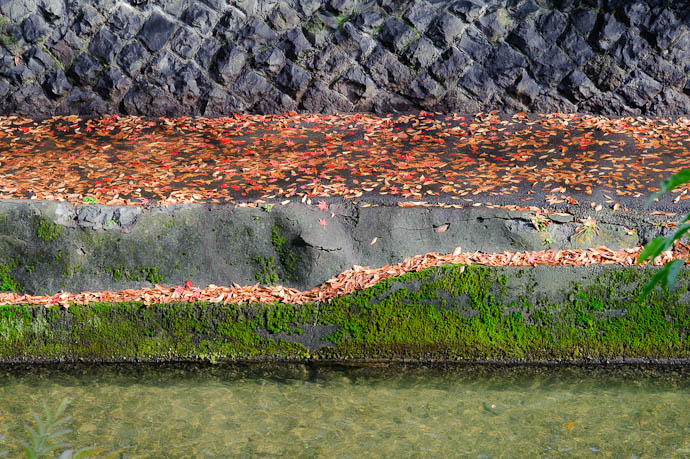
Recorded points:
(216, 57)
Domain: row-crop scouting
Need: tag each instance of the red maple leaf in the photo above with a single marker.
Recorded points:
(188, 284)
(323, 205)
(322, 221)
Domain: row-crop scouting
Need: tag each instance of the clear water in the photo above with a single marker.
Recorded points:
(339, 411)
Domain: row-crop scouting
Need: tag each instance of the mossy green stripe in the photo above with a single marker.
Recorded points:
(445, 313)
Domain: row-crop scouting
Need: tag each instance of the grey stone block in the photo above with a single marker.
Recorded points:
(320, 99)
(132, 58)
(294, 44)
(610, 32)
(293, 79)
(185, 42)
(450, 64)
(396, 35)
(57, 83)
(421, 53)
(445, 29)
(34, 28)
(85, 69)
(104, 45)
(156, 31)
(229, 63)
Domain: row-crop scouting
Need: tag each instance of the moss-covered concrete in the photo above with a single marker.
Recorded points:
(440, 314)
(48, 246)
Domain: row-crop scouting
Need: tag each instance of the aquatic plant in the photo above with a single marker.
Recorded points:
(47, 437)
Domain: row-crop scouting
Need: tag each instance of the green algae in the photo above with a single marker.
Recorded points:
(139, 273)
(7, 282)
(445, 313)
(47, 230)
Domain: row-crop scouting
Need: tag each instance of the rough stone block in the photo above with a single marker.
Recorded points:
(256, 35)
(578, 86)
(640, 89)
(583, 19)
(330, 63)
(637, 13)
(472, 42)
(85, 69)
(104, 45)
(450, 64)
(156, 31)
(294, 44)
(421, 53)
(369, 20)
(87, 21)
(526, 89)
(132, 58)
(293, 79)
(396, 35)
(319, 99)
(34, 28)
(53, 10)
(445, 29)
(527, 40)
(207, 51)
(504, 64)
(355, 84)
(662, 71)
(228, 63)
(56, 83)
(125, 21)
(468, 9)
(185, 42)
(353, 42)
(604, 72)
(578, 50)
(385, 69)
(551, 25)
(666, 29)
(476, 81)
(552, 66)
(250, 87)
(420, 14)
(425, 89)
(113, 84)
(609, 33)
(496, 23)
(270, 61)
(283, 18)
(200, 18)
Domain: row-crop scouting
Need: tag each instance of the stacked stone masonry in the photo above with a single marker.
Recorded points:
(217, 57)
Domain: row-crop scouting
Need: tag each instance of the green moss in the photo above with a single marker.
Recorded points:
(443, 313)
(7, 282)
(47, 230)
(267, 270)
(148, 273)
(287, 258)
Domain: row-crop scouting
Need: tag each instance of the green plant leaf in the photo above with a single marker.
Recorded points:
(670, 183)
(666, 276)
(652, 249)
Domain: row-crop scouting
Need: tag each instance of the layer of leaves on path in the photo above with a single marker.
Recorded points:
(118, 160)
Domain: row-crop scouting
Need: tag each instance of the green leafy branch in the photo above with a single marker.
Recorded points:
(668, 274)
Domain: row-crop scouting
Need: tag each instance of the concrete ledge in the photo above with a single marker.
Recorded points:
(449, 313)
(50, 246)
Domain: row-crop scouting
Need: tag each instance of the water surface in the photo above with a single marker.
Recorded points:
(349, 411)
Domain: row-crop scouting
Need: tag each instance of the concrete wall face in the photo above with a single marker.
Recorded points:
(216, 57)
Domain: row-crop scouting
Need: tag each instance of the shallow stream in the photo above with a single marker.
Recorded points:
(357, 411)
